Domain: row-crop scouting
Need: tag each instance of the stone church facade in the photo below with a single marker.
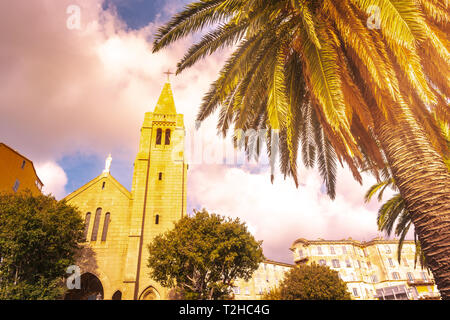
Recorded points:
(121, 223)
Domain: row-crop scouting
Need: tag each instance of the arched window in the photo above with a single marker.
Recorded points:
(157, 219)
(150, 294)
(98, 214)
(167, 139)
(158, 136)
(105, 226)
(117, 295)
(87, 220)
(160, 176)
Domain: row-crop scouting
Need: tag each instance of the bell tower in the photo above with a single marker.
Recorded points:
(158, 188)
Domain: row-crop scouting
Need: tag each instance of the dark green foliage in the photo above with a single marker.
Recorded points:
(310, 282)
(203, 254)
(39, 237)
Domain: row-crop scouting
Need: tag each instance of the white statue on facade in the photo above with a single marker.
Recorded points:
(108, 164)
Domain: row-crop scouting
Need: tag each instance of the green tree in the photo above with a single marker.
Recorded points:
(39, 238)
(322, 75)
(202, 255)
(310, 282)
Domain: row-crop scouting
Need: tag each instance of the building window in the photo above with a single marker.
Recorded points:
(405, 262)
(347, 263)
(369, 264)
(300, 253)
(38, 184)
(98, 214)
(23, 164)
(16, 185)
(391, 263)
(167, 138)
(160, 176)
(355, 292)
(374, 278)
(335, 263)
(359, 264)
(117, 295)
(332, 250)
(424, 276)
(237, 290)
(103, 185)
(319, 250)
(158, 136)
(395, 275)
(387, 248)
(344, 249)
(322, 262)
(247, 291)
(157, 219)
(105, 226)
(87, 220)
(410, 276)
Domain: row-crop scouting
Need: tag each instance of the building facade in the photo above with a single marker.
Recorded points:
(17, 173)
(268, 276)
(120, 223)
(370, 269)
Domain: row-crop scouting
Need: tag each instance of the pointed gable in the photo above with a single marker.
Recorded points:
(94, 188)
(166, 104)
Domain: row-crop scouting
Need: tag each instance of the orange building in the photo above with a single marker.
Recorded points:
(17, 172)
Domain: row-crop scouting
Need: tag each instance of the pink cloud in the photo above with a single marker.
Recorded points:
(280, 213)
(53, 177)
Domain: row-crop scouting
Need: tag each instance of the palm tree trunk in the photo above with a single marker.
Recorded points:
(424, 182)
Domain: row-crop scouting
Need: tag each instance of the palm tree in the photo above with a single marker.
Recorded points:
(318, 75)
(394, 213)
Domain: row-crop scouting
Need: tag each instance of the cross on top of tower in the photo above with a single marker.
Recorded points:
(168, 74)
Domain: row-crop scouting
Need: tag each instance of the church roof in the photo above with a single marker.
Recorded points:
(166, 104)
(91, 183)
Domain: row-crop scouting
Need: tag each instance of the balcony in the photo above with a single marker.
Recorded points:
(420, 282)
(430, 296)
(301, 260)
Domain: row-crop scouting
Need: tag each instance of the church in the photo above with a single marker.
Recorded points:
(119, 224)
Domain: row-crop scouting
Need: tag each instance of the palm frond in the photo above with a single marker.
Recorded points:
(378, 187)
(389, 212)
(322, 71)
(400, 20)
(223, 36)
(277, 104)
(194, 17)
(326, 159)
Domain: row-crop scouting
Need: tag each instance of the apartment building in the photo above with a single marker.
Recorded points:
(370, 269)
(269, 274)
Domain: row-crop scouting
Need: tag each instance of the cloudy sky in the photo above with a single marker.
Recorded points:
(70, 94)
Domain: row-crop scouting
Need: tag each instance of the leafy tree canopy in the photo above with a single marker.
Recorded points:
(310, 282)
(39, 237)
(203, 254)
